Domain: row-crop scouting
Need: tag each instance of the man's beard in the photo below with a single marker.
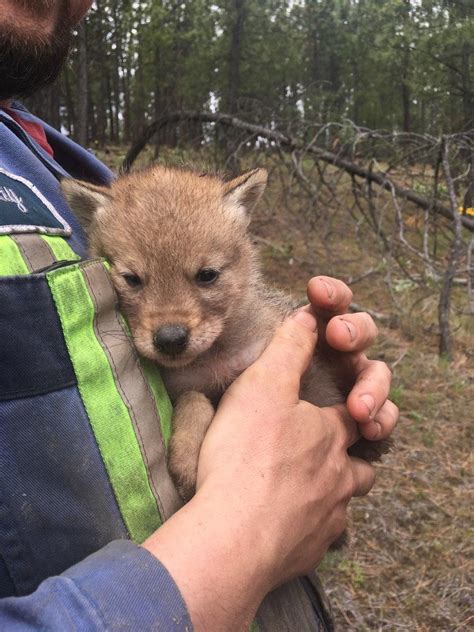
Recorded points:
(29, 61)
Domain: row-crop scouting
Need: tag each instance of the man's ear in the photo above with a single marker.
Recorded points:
(86, 200)
(242, 193)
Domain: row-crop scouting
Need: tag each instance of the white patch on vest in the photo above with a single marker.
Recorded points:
(9, 195)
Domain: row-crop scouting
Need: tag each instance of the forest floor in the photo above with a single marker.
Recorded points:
(410, 564)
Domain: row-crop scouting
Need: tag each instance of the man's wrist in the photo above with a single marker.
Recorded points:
(215, 558)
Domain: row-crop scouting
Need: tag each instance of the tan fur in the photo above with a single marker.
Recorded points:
(165, 225)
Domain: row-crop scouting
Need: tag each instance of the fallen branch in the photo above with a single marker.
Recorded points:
(383, 318)
(290, 144)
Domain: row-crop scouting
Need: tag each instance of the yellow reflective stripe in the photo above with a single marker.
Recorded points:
(109, 417)
(61, 250)
(11, 259)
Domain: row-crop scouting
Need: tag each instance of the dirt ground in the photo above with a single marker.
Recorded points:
(410, 563)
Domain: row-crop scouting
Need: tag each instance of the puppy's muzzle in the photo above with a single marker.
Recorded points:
(171, 339)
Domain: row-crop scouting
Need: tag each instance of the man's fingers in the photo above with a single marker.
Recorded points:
(328, 296)
(370, 391)
(351, 332)
(383, 424)
(363, 475)
(290, 351)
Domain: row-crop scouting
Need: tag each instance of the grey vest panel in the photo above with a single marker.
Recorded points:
(298, 606)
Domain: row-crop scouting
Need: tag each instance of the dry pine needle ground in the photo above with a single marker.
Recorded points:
(410, 563)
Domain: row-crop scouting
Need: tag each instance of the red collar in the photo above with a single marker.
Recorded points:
(35, 130)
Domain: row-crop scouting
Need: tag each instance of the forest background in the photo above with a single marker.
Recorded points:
(363, 113)
(396, 64)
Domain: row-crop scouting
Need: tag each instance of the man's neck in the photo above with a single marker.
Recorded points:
(6, 104)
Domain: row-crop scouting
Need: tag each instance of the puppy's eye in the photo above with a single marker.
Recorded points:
(207, 276)
(133, 280)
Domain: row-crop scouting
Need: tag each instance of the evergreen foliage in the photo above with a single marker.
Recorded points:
(403, 65)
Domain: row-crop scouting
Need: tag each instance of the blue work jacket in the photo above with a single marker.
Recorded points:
(66, 562)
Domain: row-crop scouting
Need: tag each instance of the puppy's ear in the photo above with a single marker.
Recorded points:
(86, 200)
(242, 193)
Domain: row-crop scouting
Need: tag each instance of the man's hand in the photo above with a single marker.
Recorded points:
(353, 334)
(274, 481)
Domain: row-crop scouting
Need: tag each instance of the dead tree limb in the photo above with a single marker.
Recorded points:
(290, 144)
(384, 318)
(445, 343)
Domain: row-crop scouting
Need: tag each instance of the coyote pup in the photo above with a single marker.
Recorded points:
(189, 284)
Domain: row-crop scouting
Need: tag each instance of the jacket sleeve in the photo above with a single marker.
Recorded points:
(121, 587)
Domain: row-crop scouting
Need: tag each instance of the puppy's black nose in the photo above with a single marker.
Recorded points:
(171, 339)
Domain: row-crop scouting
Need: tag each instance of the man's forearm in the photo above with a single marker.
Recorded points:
(215, 558)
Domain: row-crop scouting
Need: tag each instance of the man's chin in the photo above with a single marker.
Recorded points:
(29, 60)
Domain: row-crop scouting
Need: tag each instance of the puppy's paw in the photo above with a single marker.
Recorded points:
(192, 417)
(371, 451)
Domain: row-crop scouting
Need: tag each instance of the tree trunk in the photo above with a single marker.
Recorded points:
(113, 131)
(444, 305)
(406, 60)
(467, 88)
(54, 117)
(235, 54)
(83, 88)
(70, 109)
(101, 105)
(406, 103)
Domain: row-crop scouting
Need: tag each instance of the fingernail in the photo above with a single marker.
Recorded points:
(329, 288)
(375, 430)
(369, 401)
(305, 318)
(350, 328)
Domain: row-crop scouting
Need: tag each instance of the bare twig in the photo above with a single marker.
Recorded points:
(383, 318)
(289, 144)
(353, 280)
(399, 359)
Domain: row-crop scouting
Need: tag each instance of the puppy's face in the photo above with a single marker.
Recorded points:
(178, 286)
(181, 260)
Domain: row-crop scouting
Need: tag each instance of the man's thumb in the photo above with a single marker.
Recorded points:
(292, 347)
(305, 317)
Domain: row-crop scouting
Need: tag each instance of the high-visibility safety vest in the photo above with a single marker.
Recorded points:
(84, 422)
